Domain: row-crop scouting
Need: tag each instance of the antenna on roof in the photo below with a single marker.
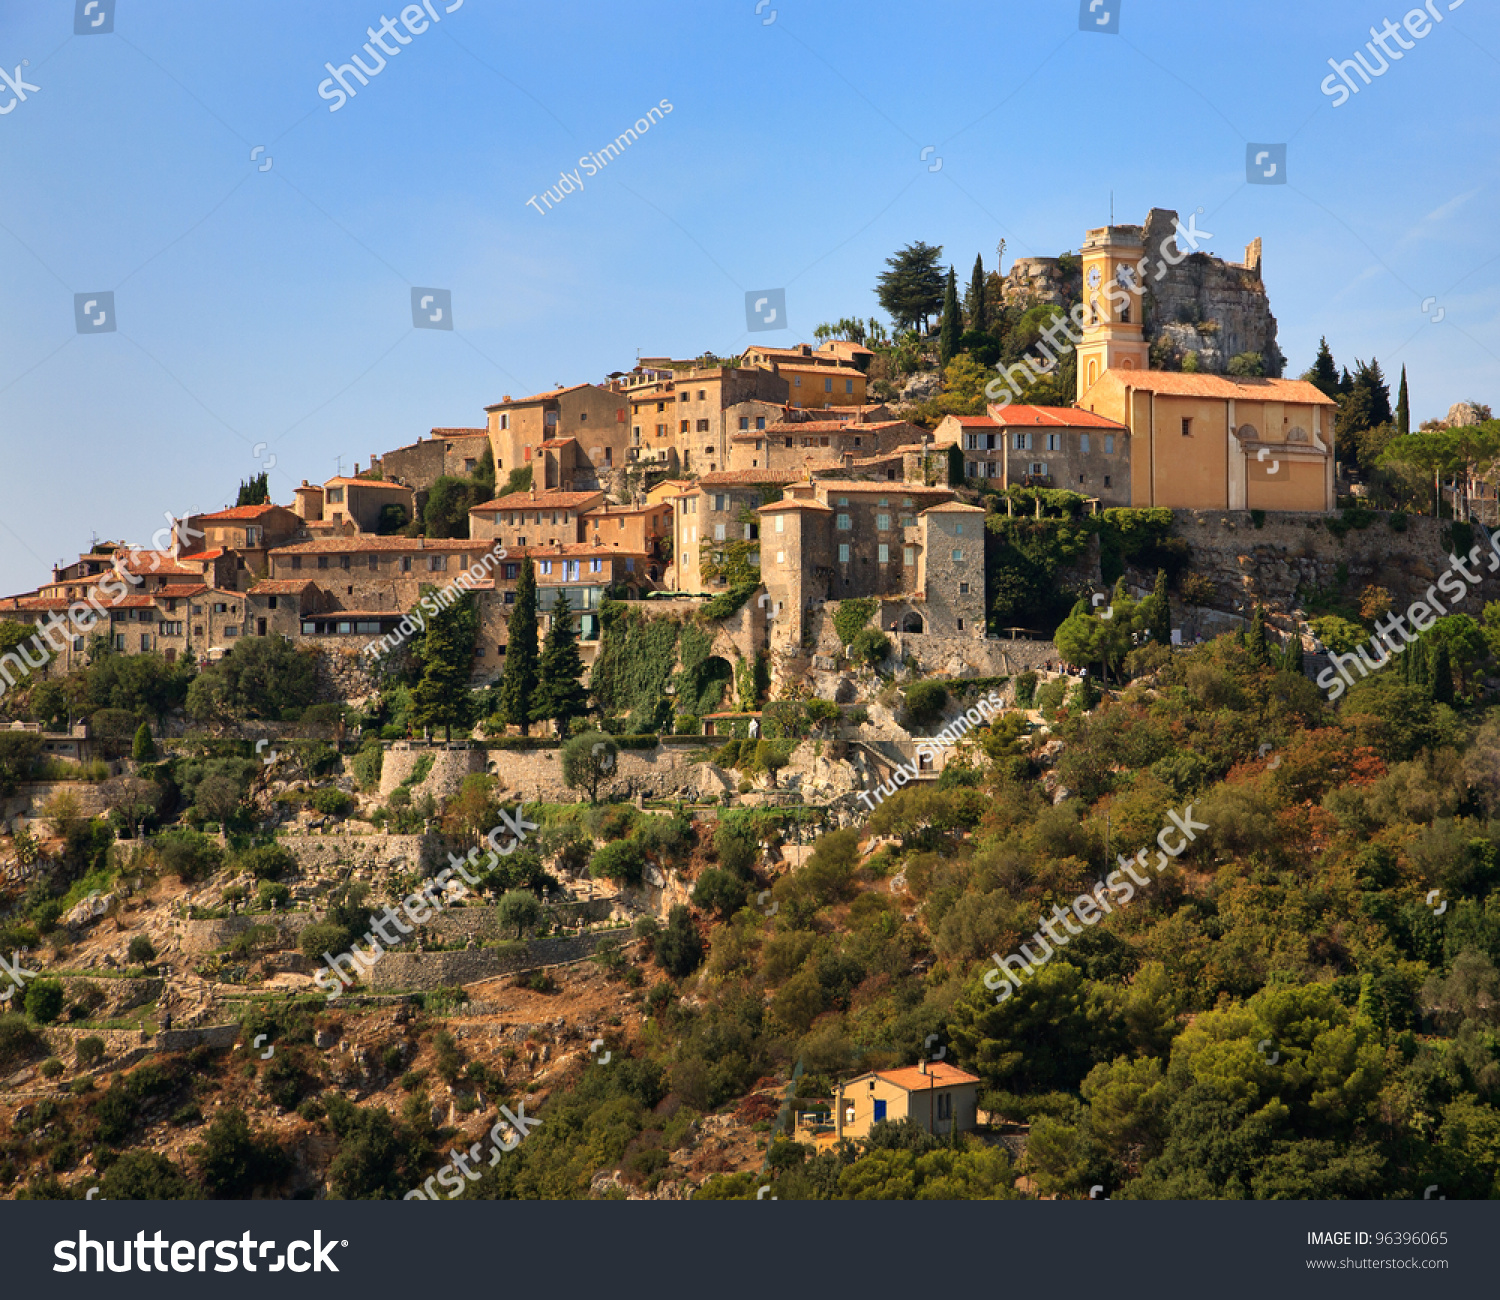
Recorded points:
(1111, 207)
(339, 460)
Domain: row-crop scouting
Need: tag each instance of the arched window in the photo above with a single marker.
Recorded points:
(1093, 372)
(1248, 433)
(1297, 434)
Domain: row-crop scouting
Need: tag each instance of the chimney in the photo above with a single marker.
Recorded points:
(922, 1065)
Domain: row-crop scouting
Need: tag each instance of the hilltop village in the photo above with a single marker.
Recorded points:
(652, 790)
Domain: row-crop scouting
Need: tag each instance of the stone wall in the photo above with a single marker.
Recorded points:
(343, 671)
(449, 768)
(181, 1040)
(63, 1043)
(434, 970)
(120, 995)
(200, 937)
(318, 854)
(460, 924)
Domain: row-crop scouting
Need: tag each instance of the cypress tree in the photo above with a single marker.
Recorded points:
(561, 695)
(975, 310)
(1324, 375)
(442, 697)
(143, 750)
(518, 688)
(1442, 674)
(951, 326)
(1259, 650)
(1161, 611)
(1403, 406)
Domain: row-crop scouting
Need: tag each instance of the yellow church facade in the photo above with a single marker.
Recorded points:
(1197, 441)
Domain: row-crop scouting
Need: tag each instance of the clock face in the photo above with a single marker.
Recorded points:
(1094, 277)
(1125, 277)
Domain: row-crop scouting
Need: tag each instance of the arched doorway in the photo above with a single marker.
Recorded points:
(911, 622)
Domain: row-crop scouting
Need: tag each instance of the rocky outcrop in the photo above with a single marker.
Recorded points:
(1204, 304)
(1034, 280)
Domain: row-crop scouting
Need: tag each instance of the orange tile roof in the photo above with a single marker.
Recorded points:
(359, 481)
(542, 501)
(974, 421)
(460, 433)
(747, 477)
(557, 442)
(1058, 417)
(953, 507)
(241, 512)
(885, 489)
(794, 503)
(1177, 384)
(536, 397)
(937, 1075)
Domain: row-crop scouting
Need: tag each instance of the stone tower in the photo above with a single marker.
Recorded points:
(1113, 338)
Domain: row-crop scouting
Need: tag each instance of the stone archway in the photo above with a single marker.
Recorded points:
(912, 622)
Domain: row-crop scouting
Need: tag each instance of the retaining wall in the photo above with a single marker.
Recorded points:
(434, 970)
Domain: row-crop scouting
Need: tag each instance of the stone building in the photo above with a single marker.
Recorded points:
(532, 518)
(451, 453)
(593, 416)
(719, 508)
(362, 502)
(805, 444)
(689, 415)
(1045, 446)
(814, 378)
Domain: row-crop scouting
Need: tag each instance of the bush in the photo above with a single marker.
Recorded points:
(273, 894)
(678, 948)
(52, 1067)
(19, 1042)
(852, 618)
(142, 952)
(267, 862)
(143, 750)
(925, 702)
(89, 1052)
(44, 1001)
(189, 856)
(719, 892)
(1026, 690)
(871, 647)
(623, 861)
(323, 937)
(367, 766)
(332, 802)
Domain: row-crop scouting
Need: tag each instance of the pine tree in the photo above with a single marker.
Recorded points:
(442, 697)
(975, 309)
(1260, 652)
(1373, 378)
(912, 290)
(1403, 406)
(1161, 611)
(518, 688)
(561, 695)
(1324, 375)
(143, 750)
(952, 326)
(256, 492)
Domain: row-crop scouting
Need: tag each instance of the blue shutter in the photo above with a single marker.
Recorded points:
(879, 1110)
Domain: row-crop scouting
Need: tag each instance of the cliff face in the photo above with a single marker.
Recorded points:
(1206, 305)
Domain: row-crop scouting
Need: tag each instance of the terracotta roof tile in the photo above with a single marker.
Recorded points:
(542, 501)
(1058, 417)
(1177, 384)
(746, 477)
(241, 512)
(937, 1075)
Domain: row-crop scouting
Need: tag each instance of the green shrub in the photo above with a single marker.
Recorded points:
(19, 1042)
(52, 1067)
(1026, 690)
(273, 894)
(925, 702)
(871, 646)
(623, 861)
(142, 952)
(89, 1051)
(367, 765)
(1258, 518)
(44, 1001)
(267, 862)
(188, 855)
(332, 802)
(323, 937)
(719, 892)
(853, 617)
(1396, 521)
(678, 948)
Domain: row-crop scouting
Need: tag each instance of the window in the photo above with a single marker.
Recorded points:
(781, 523)
(843, 524)
(828, 385)
(1106, 480)
(437, 563)
(406, 564)
(345, 561)
(721, 502)
(958, 557)
(661, 406)
(744, 422)
(1021, 442)
(336, 495)
(684, 396)
(1054, 442)
(963, 588)
(885, 554)
(596, 566)
(908, 521)
(221, 608)
(231, 630)
(547, 566)
(1187, 427)
(702, 395)
(296, 562)
(686, 424)
(843, 552)
(883, 523)
(702, 426)
(119, 640)
(958, 530)
(374, 561)
(796, 381)
(780, 557)
(252, 535)
(843, 501)
(849, 386)
(1083, 443)
(505, 421)
(960, 625)
(718, 532)
(322, 561)
(1109, 444)
(1038, 470)
(909, 556)
(271, 603)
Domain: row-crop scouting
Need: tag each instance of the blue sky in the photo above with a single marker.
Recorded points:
(274, 306)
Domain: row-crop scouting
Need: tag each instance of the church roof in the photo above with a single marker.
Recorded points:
(1174, 383)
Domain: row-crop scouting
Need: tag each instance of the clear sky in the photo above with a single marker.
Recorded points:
(274, 306)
